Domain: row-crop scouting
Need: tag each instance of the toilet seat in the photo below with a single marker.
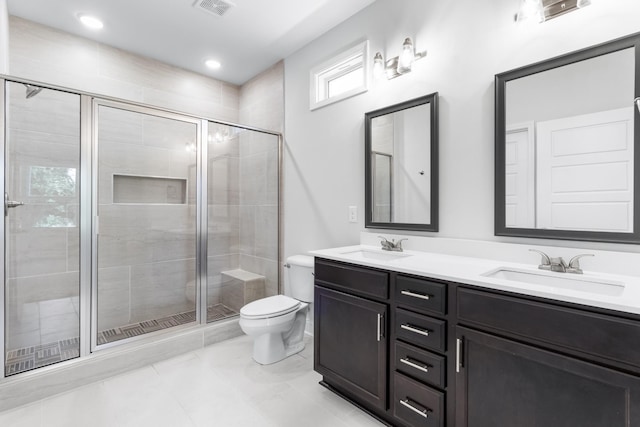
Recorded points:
(275, 306)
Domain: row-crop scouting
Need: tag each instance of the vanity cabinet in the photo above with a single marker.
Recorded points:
(416, 351)
(351, 346)
(522, 362)
(418, 391)
(350, 331)
(381, 341)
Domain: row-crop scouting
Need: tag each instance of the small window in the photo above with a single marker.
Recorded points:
(340, 77)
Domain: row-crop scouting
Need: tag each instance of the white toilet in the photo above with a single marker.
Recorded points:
(277, 323)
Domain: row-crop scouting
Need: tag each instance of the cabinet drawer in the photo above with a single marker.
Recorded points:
(416, 404)
(353, 279)
(419, 364)
(421, 294)
(420, 330)
(599, 335)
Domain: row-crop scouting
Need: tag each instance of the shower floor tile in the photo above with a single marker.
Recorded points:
(27, 358)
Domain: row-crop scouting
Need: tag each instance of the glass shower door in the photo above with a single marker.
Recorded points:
(146, 221)
(41, 228)
(243, 218)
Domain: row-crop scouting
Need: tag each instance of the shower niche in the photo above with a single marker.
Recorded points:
(149, 189)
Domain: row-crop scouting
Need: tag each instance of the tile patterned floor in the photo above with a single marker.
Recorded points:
(27, 358)
(219, 385)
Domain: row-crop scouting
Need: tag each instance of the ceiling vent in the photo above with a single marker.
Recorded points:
(214, 7)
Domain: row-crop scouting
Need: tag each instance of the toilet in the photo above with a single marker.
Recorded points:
(277, 323)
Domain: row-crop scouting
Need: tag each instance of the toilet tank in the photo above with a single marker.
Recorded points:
(301, 277)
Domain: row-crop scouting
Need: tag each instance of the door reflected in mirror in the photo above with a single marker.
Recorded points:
(401, 165)
(565, 137)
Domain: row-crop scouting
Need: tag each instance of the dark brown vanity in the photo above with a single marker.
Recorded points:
(415, 351)
(419, 351)
(381, 341)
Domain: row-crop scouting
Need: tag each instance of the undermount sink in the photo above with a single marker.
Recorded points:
(575, 282)
(365, 254)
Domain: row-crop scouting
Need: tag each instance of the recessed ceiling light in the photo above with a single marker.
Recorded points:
(213, 64)
(91, 21)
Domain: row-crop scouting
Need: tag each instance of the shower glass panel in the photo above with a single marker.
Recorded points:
(243, 234)
(146, 226)
(42, 277)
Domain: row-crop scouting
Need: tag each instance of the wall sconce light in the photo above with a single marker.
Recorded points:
(543, 10)
(398, 65)
(637, 102)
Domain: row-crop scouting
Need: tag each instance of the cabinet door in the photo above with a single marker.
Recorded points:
(351, 345)
(502, 383)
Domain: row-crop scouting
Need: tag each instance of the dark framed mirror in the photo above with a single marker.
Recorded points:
(401, 165)
(566, 146)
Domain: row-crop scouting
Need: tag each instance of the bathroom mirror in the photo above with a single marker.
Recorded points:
(401, 165)
(566, 134)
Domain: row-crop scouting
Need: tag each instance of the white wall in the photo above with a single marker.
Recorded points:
(4, 37)
(468, 42)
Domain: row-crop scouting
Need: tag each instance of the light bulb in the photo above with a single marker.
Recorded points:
(583, 3)
(212, 64)
(91, 22)
(530, 10)
(406, 57)
(378, 65)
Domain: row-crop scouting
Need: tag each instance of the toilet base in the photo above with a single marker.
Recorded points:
(272, 347)
(269, 348)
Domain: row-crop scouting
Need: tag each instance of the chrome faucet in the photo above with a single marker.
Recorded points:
(574, 264)
(391, 245)
(558, 264)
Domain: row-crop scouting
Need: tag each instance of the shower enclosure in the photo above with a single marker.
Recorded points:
(123, 220)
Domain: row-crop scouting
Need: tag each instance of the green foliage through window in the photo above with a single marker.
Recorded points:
(52, 181)
(58, 185)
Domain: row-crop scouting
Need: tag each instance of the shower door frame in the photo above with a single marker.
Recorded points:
(84, 260)
(88, 212)
(200, 221)
(3, 137)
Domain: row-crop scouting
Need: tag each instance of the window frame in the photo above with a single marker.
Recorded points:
(338, 66)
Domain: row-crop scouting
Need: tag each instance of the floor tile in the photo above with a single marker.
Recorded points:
(219, 385)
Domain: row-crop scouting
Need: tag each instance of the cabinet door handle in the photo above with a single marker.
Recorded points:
(458, 354)
(380, 327)
(416, 330)
(407, 404)
(416, 295)
(416, 365)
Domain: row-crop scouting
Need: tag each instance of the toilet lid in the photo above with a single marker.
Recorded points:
(276, 305)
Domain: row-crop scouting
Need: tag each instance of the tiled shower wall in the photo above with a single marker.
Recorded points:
(146, 251)
(261, 105)
(42, 239)
(243, 193)
(44, 54)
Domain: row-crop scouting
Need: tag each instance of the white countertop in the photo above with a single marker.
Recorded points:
(470, 271)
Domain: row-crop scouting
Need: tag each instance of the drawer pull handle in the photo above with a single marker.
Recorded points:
(416, 365)
(458, 354)
(380, 327)
(416, 295)
(407, 404)
(415, 330)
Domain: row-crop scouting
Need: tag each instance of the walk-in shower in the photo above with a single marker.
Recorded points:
(128, 220)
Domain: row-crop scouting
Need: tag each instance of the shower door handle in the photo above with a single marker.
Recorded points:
(10, 204)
